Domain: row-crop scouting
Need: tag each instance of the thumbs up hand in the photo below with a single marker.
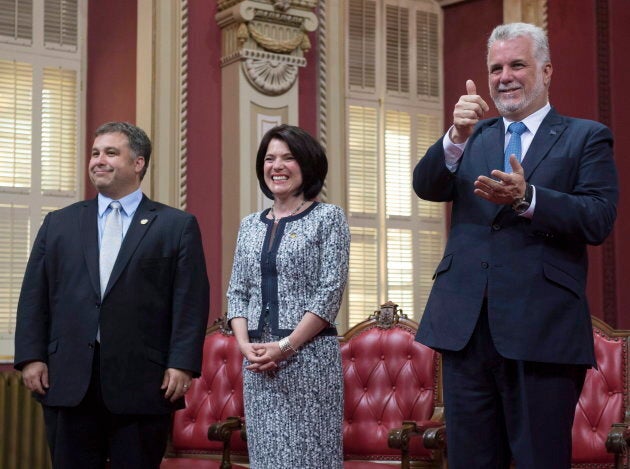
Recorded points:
(468, 110)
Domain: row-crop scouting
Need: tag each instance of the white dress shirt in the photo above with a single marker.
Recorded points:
(453, 151)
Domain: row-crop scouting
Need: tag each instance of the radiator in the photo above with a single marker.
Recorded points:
(22, 436)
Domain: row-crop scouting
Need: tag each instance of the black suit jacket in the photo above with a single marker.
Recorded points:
(533, 272)
(152, 316)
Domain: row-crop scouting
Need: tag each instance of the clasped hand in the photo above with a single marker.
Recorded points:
(502, 188)
(262, 357)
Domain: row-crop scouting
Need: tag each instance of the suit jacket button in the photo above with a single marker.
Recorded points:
(496, 227)
(484, 265)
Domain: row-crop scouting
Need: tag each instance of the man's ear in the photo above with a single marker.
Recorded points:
(139, 163)
(547, 71)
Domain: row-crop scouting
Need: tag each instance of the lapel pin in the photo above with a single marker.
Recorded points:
(144, 221)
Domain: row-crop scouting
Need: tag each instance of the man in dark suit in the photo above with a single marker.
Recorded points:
(508, 308)
(111, 359)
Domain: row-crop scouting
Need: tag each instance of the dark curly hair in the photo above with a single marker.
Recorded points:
(307, 151)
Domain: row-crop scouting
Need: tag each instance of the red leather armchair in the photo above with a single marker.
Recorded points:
(389, 378)
(213, 397)
(601, 429)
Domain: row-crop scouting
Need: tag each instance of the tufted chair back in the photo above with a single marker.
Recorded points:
(604, 398)
(214, 396)
(388, 378)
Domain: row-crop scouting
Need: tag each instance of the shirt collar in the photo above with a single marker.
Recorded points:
(129, 203)
(532, 121)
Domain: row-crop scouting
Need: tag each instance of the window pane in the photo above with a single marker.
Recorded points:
(427, 54)
(61, 24)
(362, 43)
(362, 159)
(14, 249)
(45, 210)
(388, 129)
(16, 82)
(397, 48)
(16, 21)
(59, 130)
(400, 285)
(397, 163)
(362, 283)
(40, 134)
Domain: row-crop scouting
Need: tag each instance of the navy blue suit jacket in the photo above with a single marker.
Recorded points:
(533, 272)
(152, 316)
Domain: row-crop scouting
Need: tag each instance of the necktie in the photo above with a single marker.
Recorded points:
(514, 145)
(110, 243)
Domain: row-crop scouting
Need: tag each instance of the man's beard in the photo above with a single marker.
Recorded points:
(528, 98)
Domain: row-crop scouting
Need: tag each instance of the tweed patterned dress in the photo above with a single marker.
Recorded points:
(294, 414)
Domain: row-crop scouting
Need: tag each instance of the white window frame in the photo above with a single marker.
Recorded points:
(384, 101)
(43, 56)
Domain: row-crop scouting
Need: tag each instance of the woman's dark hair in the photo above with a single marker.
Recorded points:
(307, 151)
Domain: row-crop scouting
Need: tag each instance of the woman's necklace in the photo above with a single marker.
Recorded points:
(273, 215)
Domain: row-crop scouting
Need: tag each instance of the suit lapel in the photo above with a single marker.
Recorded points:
(492, 139)
(547, 135)
(89, 236)
(140, 224)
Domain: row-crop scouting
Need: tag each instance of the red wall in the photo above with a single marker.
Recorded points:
(111, 95)
(575, 91)
(619, 13)
(466, 29)
(204, 137)
(111, 71)
(575, 24)
(573, 43)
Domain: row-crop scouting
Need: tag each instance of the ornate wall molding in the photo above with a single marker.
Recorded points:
(270, 77)
(269, 38)
(162, 96)
(609, 255)
(331, 95)
(322, 121)
(183, 104)
(527, 11)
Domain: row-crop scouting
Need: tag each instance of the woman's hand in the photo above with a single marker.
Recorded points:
(266, 357)
(254, 356)
(247, 350)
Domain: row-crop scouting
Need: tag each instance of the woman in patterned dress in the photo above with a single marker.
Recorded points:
(290, 270)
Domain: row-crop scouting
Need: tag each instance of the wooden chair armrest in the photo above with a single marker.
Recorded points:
(244, 432)
(433, 437)
(618, 441)
(222, 431)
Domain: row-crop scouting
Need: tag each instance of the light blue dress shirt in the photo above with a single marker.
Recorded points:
(129, 205)
(453, 151)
